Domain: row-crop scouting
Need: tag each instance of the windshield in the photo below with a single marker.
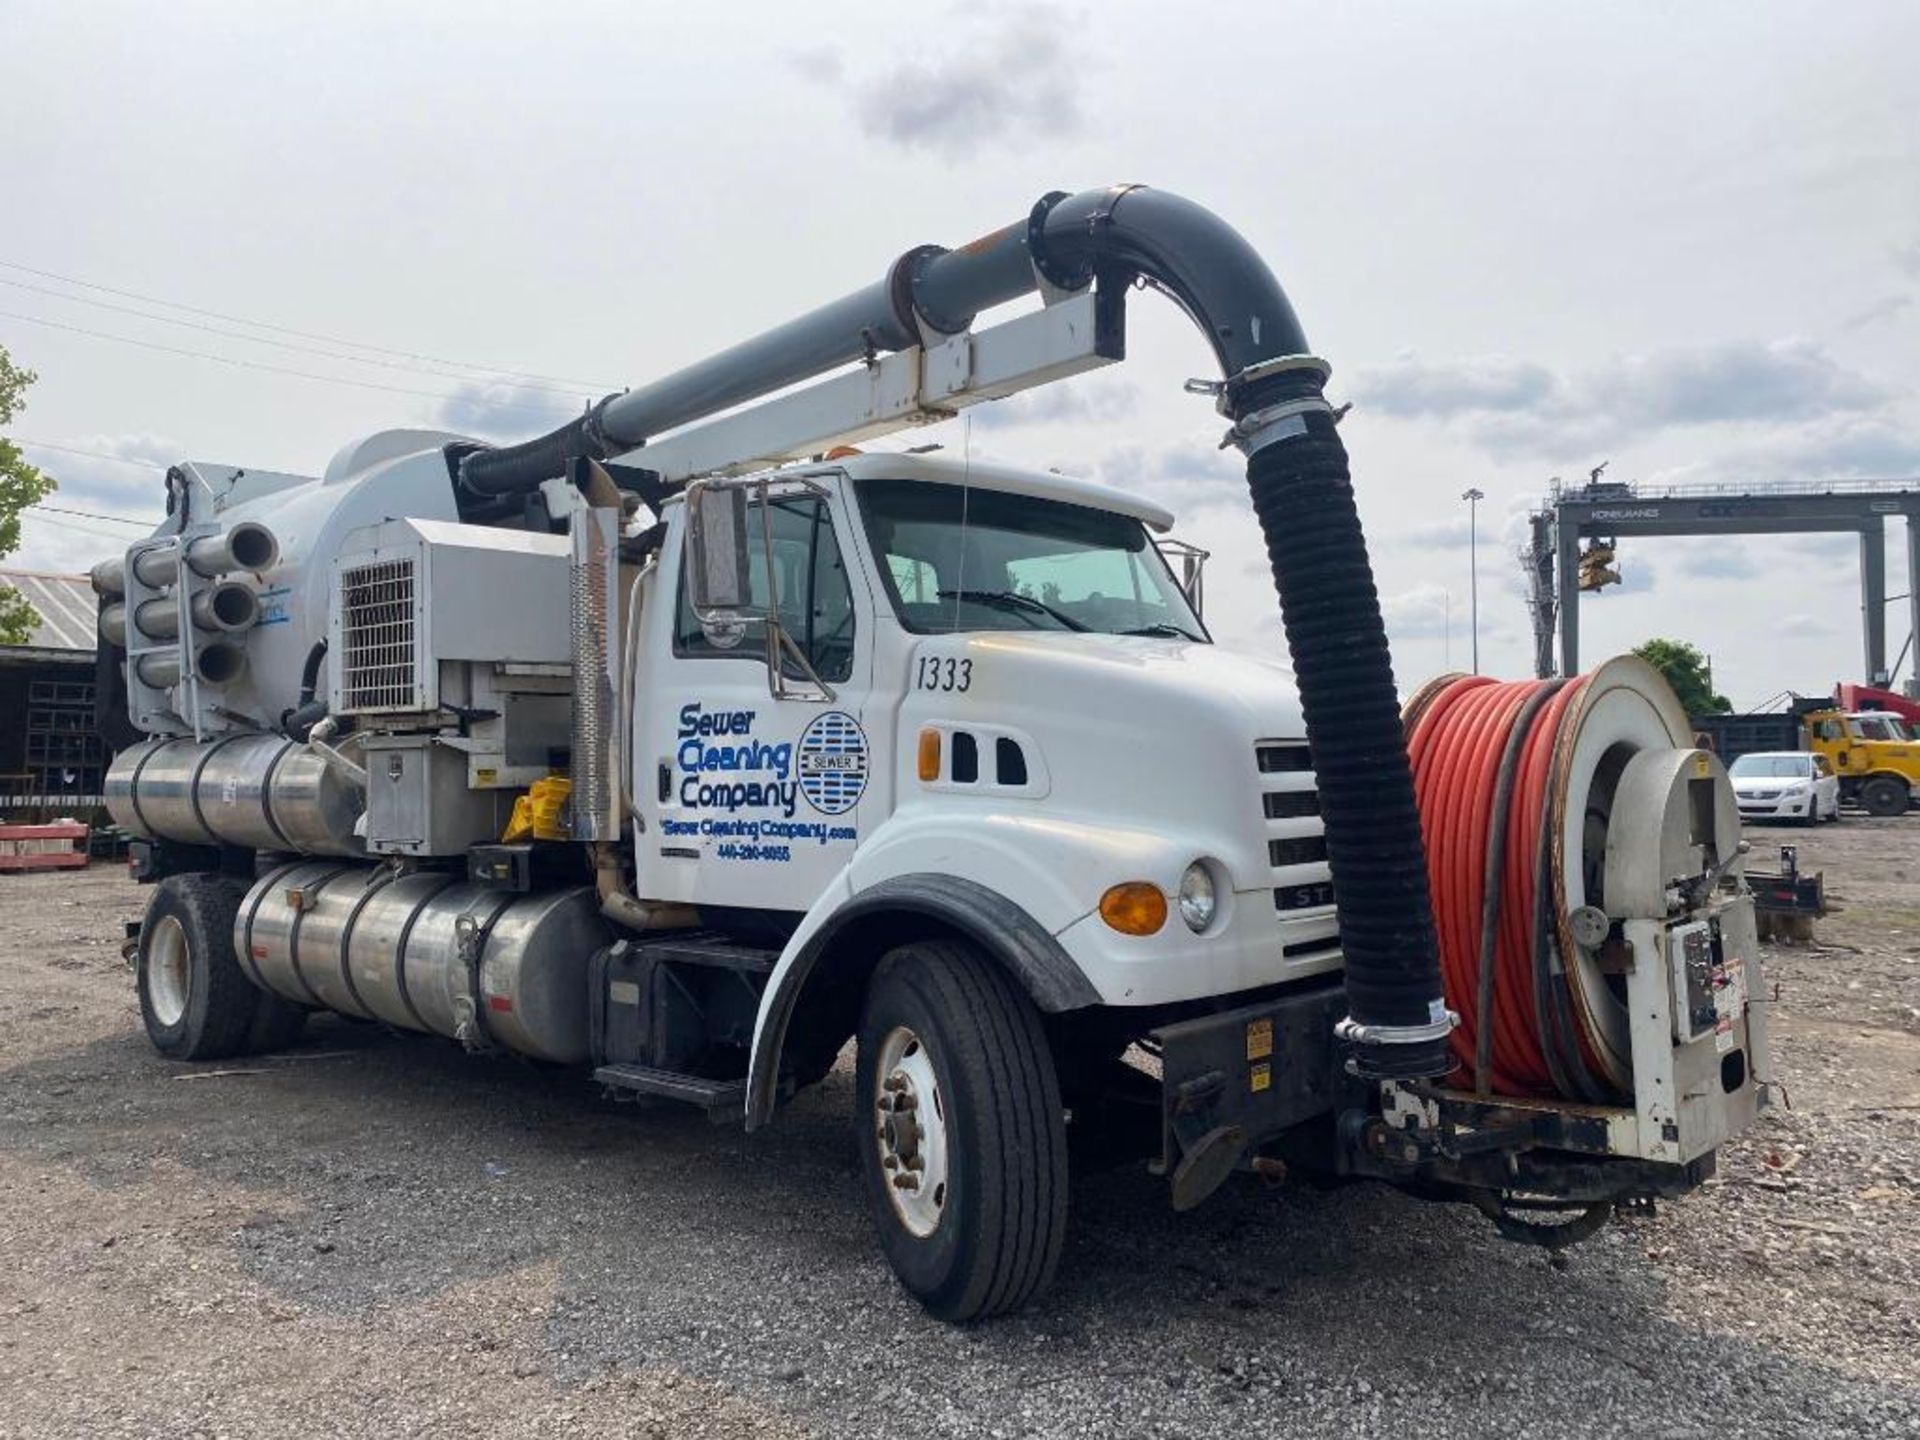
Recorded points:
(1876, 727)
(1770, 767)
(957, 558)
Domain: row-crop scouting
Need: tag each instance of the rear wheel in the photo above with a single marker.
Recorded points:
(962, 1135)
(196, 1003)
(1884, 795)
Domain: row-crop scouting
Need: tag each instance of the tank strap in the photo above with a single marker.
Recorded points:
(193, 784)
(262, 888)
(266, 796)
(470, 935)
(447, 882)
(133, 786)
(378, 881)
(293, 932)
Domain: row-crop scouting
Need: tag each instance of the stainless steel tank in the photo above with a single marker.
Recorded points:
(377, 944)
(259, 792)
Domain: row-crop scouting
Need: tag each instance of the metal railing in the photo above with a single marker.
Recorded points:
(1634, 490)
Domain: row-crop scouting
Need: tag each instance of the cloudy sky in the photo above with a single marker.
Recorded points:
(1683, 240)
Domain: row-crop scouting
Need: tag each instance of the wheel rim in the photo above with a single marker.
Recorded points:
(169, 970)
(910, 1131)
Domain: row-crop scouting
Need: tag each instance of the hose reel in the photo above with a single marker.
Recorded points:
(1552, 810)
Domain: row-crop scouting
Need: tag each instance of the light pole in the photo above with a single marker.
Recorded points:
(1473, 497)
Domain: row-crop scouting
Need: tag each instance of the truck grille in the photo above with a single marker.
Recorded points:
(1297, 850)
(379, 611)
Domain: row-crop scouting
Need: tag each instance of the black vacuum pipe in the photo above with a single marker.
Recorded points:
(1297, 474)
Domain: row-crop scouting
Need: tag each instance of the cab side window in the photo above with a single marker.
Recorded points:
(810, 586)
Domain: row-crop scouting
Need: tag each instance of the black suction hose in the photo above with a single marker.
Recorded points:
(298, 721)
(1397, 1022)
(519, 467)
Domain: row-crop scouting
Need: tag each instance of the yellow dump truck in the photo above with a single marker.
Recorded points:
(1874, 753)
(1877, 760)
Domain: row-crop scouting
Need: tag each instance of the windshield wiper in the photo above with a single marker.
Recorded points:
(1161, 627)
(1012, 600)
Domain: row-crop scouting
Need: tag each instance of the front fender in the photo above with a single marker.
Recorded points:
(1044, 969)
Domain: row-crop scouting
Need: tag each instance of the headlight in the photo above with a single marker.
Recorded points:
(1196, 897)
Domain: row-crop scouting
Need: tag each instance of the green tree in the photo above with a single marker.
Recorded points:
(20, 486)
(1688, 672)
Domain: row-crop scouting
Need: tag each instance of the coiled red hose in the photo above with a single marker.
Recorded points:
(1483, 755)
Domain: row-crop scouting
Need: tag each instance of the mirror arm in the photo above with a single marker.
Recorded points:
(778, 641)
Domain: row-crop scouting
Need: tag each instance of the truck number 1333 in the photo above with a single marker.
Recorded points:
(945, 672)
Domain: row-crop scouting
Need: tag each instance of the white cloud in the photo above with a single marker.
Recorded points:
(1183, 475)
(1099, 401)
(991, 81)
(504, 411)
(1512, 407)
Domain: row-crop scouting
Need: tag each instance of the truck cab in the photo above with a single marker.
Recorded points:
(993, 694)
(1876, 759)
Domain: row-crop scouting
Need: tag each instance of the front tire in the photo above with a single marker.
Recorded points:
(962, 1133)
(1883, 796)
(194, 999)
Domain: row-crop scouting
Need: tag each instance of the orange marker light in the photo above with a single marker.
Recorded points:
(929, 754)
(1134, 908)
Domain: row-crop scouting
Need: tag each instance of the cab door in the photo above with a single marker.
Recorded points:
(753, 800)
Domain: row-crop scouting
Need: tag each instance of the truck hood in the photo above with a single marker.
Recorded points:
(1122, 730)
(1173, 679)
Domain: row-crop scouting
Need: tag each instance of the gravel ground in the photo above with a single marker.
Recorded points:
(375, 1235)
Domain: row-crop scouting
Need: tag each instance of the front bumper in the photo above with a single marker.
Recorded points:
(1233, 1081)
(1784, 807)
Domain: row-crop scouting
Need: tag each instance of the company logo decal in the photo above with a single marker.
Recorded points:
(833, 762)
(740, 791)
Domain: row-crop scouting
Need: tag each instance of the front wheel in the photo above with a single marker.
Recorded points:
(962, 1134)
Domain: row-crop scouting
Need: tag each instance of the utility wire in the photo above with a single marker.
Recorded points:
(82, 529)
(90, 454)
(92, 515)
(253, 364)
(289, 330)
(519, 382)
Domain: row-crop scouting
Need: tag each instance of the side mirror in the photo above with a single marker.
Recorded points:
(718, 574)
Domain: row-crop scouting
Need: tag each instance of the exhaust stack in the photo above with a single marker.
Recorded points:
(247, 547)
(218, 663)
(228, 607)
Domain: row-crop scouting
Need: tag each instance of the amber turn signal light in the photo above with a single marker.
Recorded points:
(929, 754)
(1134, 908)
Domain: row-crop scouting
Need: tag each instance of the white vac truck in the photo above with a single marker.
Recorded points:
(925, 754)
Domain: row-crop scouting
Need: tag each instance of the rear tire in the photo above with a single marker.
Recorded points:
(972, 1119)
(194, 998)
(1883, 795)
